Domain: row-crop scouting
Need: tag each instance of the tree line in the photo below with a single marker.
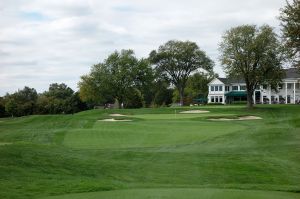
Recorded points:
(178, 71)
(57, 100)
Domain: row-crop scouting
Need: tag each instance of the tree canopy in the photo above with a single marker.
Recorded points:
(120, 77)
(290, 22)
(253, 53)
(176, 60)
(21, 102)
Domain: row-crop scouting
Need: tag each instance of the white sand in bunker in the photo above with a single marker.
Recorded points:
(117, 115)
(240, 118)
(195, 111)
(114, 120)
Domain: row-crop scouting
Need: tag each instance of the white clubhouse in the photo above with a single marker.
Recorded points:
(227, 91)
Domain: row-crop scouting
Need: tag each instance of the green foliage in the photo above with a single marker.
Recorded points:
(196, 87)
(254, 54)
(116, 78)
(176, 60)
(162, 93)
(134, 99)
(21, 102)
(59, 99)
(290, 18)
(2, 107)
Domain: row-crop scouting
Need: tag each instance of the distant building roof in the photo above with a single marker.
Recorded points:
(292, 73)
(289, 73)
(231, 80)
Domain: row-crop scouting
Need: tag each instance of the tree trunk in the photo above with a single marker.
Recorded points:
(250, 99)
(181, 94)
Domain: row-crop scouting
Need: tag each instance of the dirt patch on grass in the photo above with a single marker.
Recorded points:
(250, 117)
(117, 115)
(195, 111)
(114, 120)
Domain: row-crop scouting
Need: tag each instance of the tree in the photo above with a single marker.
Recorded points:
(116, 78)
(253, 54)
(22, 102)
(176, 60)
(144, 77)
(196, 86)
(290, 18)
(11, 107)
(162, 92)
(2, 107)
(59, 99)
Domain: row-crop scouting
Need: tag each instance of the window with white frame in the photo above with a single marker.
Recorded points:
(243, 88)
(217, 99)
(216, 88)
(220, 88)
(289, 86)
(226, 88)
(221, 99)
(235, 88)
(212, 99)
(212, 88)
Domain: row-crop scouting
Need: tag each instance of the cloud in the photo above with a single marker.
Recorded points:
(43, 41)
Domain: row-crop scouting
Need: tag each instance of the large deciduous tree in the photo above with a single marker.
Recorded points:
(253, 53)
(120, 77)
(290, 22)
(176, 60)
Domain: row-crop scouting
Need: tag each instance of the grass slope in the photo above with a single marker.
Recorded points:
(187, 193)
(60, 154)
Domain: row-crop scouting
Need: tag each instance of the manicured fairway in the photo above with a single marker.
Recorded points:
(161, 153)
(182, 193)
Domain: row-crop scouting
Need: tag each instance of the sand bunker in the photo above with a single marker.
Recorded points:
(236, 119)
(114, 120)
(195, 111)
(117, 115)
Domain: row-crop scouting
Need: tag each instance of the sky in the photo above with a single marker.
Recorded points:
(57, 41)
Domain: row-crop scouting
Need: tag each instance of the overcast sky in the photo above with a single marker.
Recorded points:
(47, 41)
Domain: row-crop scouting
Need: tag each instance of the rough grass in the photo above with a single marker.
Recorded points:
(158, 150)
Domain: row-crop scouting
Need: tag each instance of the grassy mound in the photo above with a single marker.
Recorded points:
(157, 154)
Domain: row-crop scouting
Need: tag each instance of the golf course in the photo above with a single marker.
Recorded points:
(203, 152)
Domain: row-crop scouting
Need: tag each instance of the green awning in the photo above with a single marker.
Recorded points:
(236, 94)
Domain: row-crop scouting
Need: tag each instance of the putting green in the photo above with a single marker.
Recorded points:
(151, 133)
(180, 194)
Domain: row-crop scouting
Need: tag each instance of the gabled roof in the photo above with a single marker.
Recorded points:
(292, 73)
(231, 80)
(289, 73)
